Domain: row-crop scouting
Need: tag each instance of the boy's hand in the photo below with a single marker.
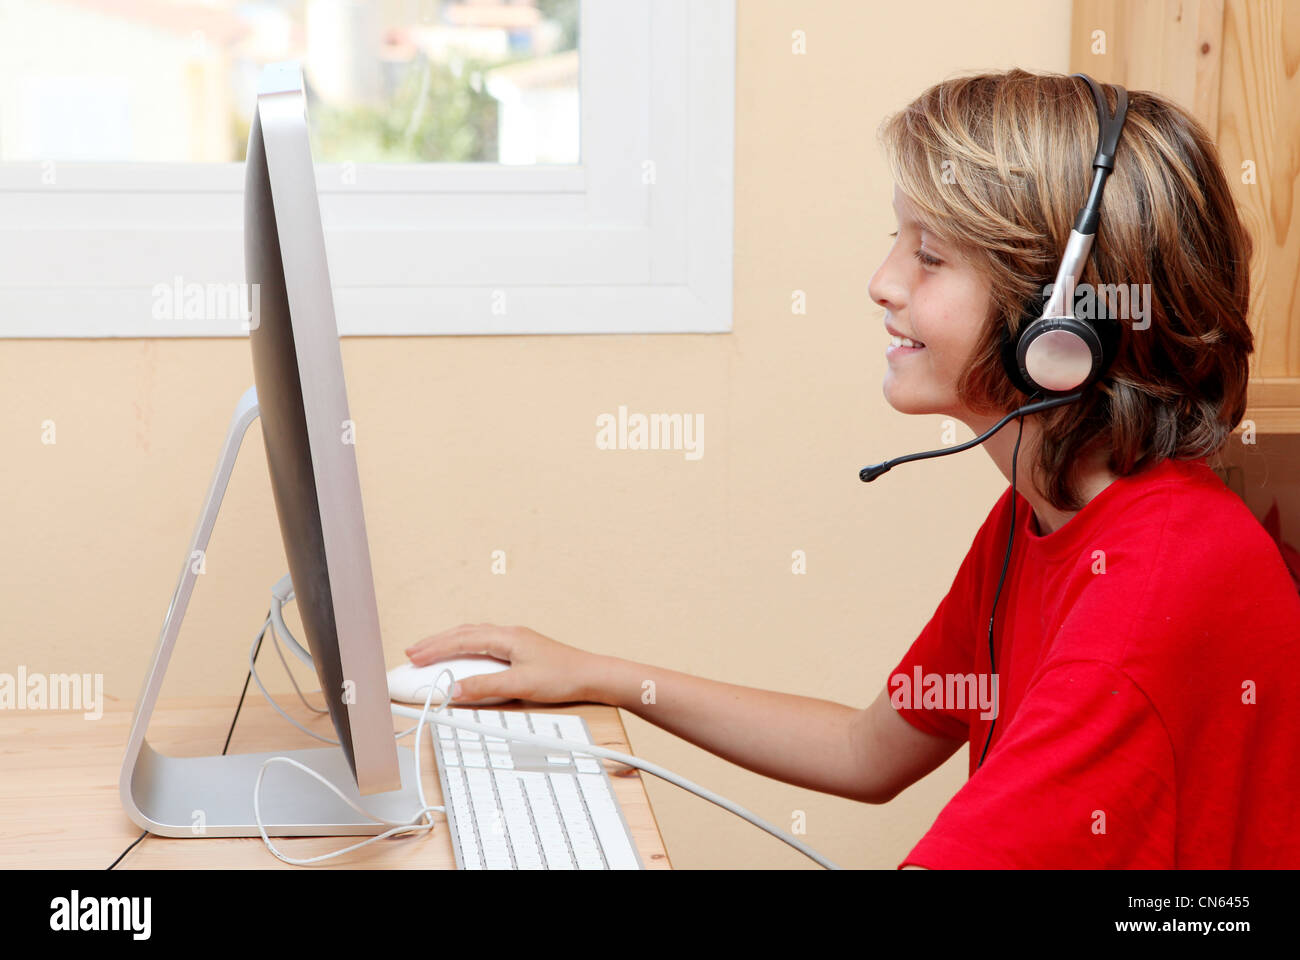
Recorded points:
(541, 669)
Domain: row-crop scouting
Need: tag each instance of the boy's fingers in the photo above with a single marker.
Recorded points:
(479, 638)
(483, 687)
(442, 637)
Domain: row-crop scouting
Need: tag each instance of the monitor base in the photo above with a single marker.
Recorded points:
(212, 796)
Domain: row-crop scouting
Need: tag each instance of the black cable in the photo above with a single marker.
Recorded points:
(247, 679)
(229, 733)
(1006, 560)
(127, 850)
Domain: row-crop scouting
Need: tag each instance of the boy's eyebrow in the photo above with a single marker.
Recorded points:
(905, 220)
(909, 221)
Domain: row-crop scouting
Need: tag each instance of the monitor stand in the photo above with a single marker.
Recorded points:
(212, 796)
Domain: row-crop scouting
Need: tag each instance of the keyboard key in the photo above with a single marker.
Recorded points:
(571, 727)
(544, 725)
(618, 849)
(460, 713)
(575, 817)
(589, 858)
(491, 718)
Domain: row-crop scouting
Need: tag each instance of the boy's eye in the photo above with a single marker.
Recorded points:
(926, 259)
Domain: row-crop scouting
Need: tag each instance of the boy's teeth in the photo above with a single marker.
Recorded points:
(904, 342)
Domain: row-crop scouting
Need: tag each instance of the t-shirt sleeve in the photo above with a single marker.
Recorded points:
(1082, 777)
(946, 645)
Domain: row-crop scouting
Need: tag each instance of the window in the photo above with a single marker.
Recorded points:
(414, 81)
(540, 166)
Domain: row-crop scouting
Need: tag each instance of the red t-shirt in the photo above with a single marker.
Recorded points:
(1148, 711)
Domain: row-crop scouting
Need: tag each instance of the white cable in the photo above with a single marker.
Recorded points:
(296, 689)
(396, 826)
(252, 668)
(281, 594)
(571, 746)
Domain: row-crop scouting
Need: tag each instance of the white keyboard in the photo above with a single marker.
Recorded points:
(518, 806)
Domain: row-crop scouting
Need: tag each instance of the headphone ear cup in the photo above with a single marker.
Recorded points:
(1009, 362)
(1060, 354)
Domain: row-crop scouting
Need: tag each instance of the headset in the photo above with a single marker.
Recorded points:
(1056, 354)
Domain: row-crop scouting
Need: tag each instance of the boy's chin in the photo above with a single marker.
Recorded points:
(913, 405)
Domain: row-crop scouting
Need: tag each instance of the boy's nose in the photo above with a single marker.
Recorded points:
(883, 290)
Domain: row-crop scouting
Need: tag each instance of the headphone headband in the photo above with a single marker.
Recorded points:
(1109, 124)
(1057, 352)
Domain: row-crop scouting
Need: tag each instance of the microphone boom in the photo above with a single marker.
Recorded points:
(869, 473)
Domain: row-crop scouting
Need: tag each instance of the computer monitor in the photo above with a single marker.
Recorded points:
(302, 401)
(298, 370)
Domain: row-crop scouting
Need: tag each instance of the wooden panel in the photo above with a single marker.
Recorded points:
(1260, 124)
(1234, 64)
(1274, 405)
(1169, 46)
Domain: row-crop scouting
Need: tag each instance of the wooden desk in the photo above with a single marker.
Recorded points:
(60, 807)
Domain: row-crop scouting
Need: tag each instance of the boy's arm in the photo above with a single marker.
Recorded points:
(870, 755)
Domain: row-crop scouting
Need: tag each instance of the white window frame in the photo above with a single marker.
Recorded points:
(636, 238)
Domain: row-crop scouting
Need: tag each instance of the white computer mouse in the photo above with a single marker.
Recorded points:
(410, 684)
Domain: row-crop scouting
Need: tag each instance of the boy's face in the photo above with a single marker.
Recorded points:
(934, 296)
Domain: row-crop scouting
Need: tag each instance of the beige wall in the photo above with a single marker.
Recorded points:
(468, 445)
